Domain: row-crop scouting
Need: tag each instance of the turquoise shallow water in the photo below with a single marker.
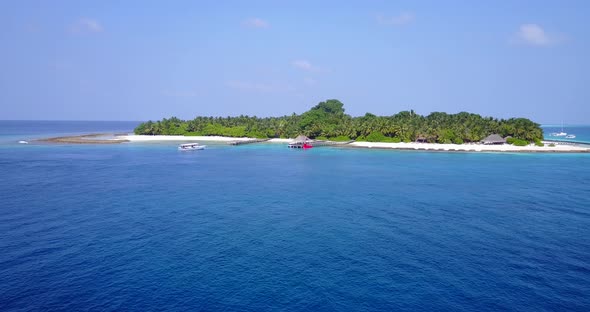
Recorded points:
(145, 227)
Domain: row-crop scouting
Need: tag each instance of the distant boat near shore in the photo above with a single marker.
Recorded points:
(191, 147)
(559, 134)
(23, 142)
(563, 134)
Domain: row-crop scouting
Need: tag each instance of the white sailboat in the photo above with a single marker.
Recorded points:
(559, 134)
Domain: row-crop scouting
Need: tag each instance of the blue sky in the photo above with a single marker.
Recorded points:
(140, 60)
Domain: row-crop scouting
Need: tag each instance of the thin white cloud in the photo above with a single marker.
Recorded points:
(303, 65)
(310, 81)
(403, 18)
(306, 65)
(85, 26)
(259, 87)
(180, 94)
(533, 34)
(255, 23)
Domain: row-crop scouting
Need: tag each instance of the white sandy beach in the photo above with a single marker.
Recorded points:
(398, 146)
(280, 140)
(472, 147)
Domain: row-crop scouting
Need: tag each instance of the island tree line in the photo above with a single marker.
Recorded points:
(327, 120)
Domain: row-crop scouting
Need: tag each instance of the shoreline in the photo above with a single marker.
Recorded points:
(413, 146)
(481, 148)
(178, 138)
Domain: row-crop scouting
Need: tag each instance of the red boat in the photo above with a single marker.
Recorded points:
(301, 142)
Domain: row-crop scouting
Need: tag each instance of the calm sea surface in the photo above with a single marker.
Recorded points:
(144, 227)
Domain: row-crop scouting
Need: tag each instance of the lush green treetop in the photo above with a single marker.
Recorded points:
(328, 120)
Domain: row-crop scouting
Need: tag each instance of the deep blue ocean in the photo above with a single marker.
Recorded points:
(145, 227)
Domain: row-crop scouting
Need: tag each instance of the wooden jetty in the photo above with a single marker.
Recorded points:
(313, 143)
(330, 143)
(248, 141)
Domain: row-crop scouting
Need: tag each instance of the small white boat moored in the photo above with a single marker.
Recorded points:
(559, 134)
(23, 142)
(191, 147)
(570, 136)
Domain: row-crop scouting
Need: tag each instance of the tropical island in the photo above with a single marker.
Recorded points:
(328, 121)
(326, 124)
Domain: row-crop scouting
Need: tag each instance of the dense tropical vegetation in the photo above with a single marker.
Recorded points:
(327, 120)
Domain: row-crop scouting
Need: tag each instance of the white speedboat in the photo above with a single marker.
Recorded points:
(23, 142)
(570, 136)
(191, 147)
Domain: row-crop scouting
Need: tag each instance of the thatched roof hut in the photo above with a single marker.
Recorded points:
(421, 139)
(301, 139)
(493, 139)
